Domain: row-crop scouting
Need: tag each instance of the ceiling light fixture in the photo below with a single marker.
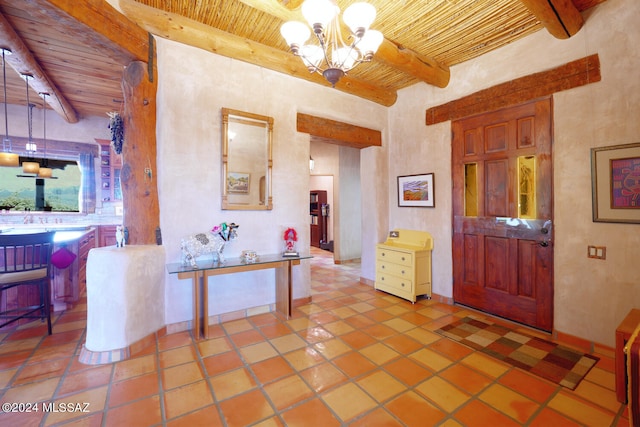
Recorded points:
(30, 166)
(332, 57)
(7, 158)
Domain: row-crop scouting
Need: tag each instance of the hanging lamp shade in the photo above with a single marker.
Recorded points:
(45, 172)
(30, 167)
(9, 159)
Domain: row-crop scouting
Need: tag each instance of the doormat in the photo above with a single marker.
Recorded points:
(546, 359)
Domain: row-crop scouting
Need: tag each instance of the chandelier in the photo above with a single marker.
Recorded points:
(330, 55)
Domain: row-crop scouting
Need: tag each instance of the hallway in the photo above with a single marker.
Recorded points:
(353, 356)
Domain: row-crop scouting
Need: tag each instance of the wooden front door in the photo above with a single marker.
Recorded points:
(502, 213)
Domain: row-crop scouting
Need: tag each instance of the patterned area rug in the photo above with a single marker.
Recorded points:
(546, 359)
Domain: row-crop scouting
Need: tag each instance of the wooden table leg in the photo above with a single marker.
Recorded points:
(205, 306)
(284, 287)
(197, 316)
(195, 283)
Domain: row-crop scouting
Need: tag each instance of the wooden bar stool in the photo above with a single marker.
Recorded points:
(25, 261)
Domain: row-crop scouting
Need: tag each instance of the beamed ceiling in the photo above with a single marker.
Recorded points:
(77, 49)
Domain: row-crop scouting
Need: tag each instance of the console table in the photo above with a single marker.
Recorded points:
(200, 274)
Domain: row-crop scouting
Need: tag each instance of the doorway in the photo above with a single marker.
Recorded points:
(503, 213)
(325, 231)
(342, 164)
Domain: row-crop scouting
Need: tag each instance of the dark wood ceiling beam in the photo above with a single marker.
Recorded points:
(560, 17)
(577, 73)
(99, 26)
(389, 53)
(338, 132)
(23, 62)
(187, 31)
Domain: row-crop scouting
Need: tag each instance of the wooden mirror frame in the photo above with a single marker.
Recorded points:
(262, 183)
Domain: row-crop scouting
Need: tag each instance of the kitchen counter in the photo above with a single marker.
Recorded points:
(69, 283)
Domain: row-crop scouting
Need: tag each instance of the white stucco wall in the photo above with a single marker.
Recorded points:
(591, 296)
(193, 86)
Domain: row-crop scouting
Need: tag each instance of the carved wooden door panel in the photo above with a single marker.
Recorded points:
(502, 213)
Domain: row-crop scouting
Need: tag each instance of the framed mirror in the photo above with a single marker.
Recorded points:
(246, 160)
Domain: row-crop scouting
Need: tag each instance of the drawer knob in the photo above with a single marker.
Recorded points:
(382, 267)
(383, 253)
(403, 258)
(402, 271)
(402, 285)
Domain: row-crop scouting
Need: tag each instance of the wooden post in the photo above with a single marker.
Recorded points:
(139, 175)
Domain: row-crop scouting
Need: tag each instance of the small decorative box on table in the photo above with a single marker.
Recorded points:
(403, 264)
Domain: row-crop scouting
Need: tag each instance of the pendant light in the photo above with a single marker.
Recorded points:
(45, 171)
(7, 158)
(30, 166)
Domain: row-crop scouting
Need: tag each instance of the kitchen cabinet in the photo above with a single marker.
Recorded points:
(110, 169)
(69, 284)
(107, 235)
(403, 264)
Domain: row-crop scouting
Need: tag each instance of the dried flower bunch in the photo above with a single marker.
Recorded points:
(116, 124)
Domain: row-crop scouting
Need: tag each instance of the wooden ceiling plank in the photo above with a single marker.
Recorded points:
(389, 53)
(112, 35)
(343, 133)
(560, 17)
(573, 74)
(23, 62)
(187, 31)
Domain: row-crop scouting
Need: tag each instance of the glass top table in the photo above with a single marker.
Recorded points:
(232, 263)
(199, 277)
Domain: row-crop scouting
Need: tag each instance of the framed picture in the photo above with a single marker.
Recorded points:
(615, 183)
(416, 190)
(238, 182)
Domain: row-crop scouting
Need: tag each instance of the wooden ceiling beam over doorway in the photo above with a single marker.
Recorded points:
(577, 73)
(340, 133)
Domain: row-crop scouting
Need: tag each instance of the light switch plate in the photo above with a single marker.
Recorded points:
(597, 252)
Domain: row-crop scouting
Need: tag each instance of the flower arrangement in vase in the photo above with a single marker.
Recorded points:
(290, 238)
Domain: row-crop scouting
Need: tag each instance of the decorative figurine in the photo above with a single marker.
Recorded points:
(249, 256)
(211, 242)
(290, 238)
(120, 241)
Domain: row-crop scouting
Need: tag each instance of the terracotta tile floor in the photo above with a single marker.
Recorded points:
(353, 356)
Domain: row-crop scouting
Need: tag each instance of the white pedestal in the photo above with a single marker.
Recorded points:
(125, 295)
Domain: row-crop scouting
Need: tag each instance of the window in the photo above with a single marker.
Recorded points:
(19, 192)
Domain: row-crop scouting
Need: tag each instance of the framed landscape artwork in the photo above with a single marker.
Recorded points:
(238, 182)
(615, 183)
(416, 190)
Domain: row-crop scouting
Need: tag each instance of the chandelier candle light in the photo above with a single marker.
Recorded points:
(332, 57)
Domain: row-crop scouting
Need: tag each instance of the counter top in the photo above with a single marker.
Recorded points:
(67, 233)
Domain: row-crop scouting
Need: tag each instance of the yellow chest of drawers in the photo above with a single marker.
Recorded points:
(403, 264)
